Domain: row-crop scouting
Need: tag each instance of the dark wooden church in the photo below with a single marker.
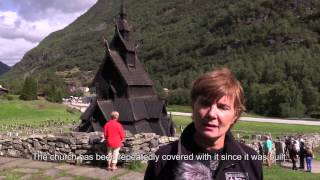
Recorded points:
(123, 85)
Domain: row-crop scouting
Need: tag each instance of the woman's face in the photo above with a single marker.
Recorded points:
(213, 119)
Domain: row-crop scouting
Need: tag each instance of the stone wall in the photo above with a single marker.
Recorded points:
(78, 147)
(311, 140)
(90, 148)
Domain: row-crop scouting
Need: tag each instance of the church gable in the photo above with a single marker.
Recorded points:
(123, 85)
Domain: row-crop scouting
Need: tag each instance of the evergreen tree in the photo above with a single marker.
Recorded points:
(55, 94)
(29, 89)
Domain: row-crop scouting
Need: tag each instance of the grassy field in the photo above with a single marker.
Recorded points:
(249, 128)
(276, 173)
(34, 112)
(179, 108)
(18, 112)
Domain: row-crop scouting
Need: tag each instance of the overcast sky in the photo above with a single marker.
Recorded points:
(24, 23)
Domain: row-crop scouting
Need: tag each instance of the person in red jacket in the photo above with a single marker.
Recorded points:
(114, 134)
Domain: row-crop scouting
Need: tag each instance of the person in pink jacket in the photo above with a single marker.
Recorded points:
(114, 134)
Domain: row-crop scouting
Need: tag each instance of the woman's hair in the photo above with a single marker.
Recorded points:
(216, 84)
(309, 150)
(114, 115)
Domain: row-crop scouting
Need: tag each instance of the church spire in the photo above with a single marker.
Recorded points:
(121, 22)
(123, 10)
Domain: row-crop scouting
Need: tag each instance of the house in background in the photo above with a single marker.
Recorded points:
(123, 85)
(3, 90)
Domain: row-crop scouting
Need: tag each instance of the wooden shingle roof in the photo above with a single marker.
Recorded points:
(132, 110)
(135, 76)
(122, 24)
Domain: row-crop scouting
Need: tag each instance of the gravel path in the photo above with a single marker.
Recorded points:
(29, 169)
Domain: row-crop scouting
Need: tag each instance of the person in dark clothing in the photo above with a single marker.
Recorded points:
(293, 153)
(260, 149)
(206, 148)
(287, 142)
(302, 154)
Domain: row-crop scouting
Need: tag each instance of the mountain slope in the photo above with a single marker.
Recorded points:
(272, 46)
(3, 68)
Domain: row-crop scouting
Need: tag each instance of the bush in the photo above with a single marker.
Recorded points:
(9, 97)
(315, 114)
(180, 97)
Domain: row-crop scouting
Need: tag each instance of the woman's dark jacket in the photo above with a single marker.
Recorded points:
(225, 169)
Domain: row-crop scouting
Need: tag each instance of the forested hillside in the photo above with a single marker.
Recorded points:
(272, 46)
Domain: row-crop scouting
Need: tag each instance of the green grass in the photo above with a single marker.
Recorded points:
(33, 112)
(276, 173)
(273, 128)
(249, 128)
(179, 108)
(181, 120)
(137, 166)
(10, 175)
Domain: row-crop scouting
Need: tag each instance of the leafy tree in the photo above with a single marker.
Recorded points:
(311, 95)
(180, 97)
(257, 98)
(286, 100)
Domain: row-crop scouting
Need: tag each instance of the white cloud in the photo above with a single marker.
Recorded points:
(36, 9)
(11, 51)
(11, 27)
(33, 20)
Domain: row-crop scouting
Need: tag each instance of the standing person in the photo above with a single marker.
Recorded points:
(260, 149)
(302, 153)
(268, 149)
(309, 157)
(280, 155)
(293, 152)
(296, 145)
(217, 102)
(287, 142)
(114, 134)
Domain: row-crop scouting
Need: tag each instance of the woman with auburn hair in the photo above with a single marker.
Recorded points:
(217, 103)
(114, 134)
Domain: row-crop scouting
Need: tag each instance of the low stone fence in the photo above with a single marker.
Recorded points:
(311, 140)
(78, 147)
(278, 151)
(90, 148)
